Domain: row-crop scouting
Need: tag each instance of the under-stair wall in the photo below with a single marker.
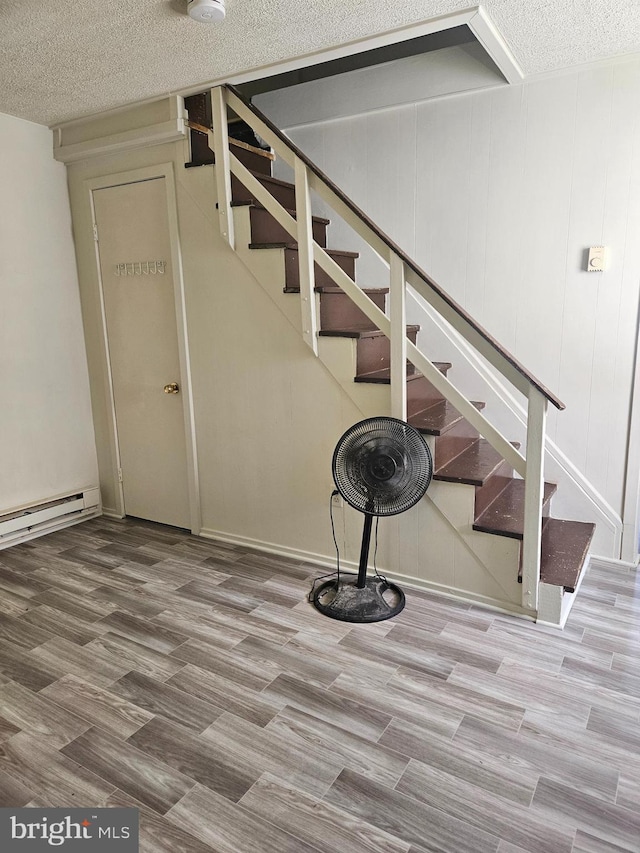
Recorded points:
(498, 193)
(268, 413)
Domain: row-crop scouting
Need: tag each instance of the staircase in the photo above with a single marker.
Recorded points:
(461, 454)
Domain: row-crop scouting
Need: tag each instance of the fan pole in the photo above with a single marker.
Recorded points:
(364, 551)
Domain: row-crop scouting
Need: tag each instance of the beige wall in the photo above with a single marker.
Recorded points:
(46, 432)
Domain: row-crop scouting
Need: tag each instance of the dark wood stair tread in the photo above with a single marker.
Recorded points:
(383, 376)
(338, 311)
(450, 445)
(438, 418)
(293, 247)
(269, 179)
(359, 333)
(336, 289)
(257, 206)
(282, 191)
(473, 466)
(565, 545)
(505, 514)
(344, 259)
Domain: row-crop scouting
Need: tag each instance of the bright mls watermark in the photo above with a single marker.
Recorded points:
(34, 830)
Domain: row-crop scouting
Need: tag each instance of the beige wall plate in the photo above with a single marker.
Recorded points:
(596, 259)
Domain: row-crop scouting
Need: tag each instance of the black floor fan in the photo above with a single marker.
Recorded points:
(381, 467)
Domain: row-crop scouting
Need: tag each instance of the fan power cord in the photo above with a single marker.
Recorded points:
(375, 555)
(335, 542)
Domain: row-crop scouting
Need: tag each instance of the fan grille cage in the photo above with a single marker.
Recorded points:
(382, 466)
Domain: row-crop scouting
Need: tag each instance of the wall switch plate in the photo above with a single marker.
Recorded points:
(595, 261)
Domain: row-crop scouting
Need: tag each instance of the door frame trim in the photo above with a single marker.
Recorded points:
(134, 176)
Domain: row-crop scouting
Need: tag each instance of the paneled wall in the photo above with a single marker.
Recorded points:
(497, 194)
(46, 432)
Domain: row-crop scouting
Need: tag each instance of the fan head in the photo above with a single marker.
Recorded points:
(382, 466)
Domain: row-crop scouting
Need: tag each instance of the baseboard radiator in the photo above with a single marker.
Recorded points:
(28, 522)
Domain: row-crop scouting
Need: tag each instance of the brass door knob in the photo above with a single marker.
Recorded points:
(172, 388)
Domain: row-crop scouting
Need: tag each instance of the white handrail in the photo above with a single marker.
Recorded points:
(402, 273)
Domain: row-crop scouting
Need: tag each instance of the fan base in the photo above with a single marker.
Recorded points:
(343, 600)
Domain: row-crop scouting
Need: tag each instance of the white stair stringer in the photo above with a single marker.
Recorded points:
(450, 556)
(491, 559)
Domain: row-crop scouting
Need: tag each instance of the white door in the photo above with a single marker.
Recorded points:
(137, 277)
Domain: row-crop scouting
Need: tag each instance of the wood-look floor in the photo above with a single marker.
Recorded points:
(141, 666)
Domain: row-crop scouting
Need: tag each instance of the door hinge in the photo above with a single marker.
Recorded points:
(95, 232)
(119, 475)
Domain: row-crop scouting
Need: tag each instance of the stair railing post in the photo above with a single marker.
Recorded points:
(304, 222)
(222, 169)
(533, 498)
(398, 318)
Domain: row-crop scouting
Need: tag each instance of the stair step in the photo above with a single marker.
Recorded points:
(360, 333)
(473, 466)
(255, 162)
(438, 418)
(455, 441)
(383, 376)
(345, 260)
(374, 351)
(267, 231)
(337, 311)
(565, 545)
(424, 394)
(258, 162)
(282, 191)
(338, 290)
(499, 480)
(505, 515)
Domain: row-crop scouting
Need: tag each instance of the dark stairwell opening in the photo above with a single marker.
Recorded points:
(199, 106)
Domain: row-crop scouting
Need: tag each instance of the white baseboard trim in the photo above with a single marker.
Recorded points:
(323, 561)
(546, 624)
(456, 594)
(111, 513)
(611, 563)
(48, 527)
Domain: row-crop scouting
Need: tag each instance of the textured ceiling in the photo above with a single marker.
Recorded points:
(62, 59)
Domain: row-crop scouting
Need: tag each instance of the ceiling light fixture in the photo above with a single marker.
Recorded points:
(206, 11)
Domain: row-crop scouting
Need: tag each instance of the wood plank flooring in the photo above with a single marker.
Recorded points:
(141, 666)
